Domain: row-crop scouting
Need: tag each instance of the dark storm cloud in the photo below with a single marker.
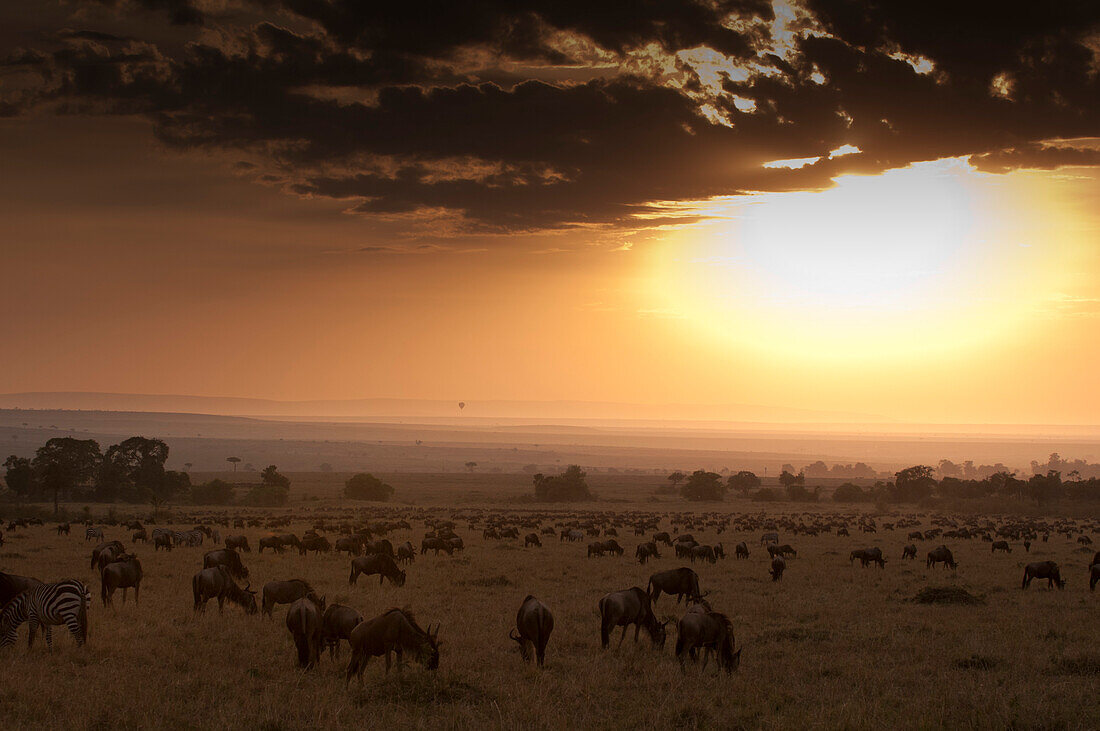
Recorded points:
(390, 107)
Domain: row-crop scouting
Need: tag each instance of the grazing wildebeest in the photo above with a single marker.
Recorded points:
(785, 550)
(703, 553)
(380, 564)
(351, 545)
(941, 555)
(238, 543)
(285, 592)
(663, 538)
(1095, 559)
(646, 551)
(1027, 546)
(228, 558)
(770, 538)
(916, 535)
(779, 565)
(273, 542)
(867, 556)
(304, 620)
(162, 540)
(741, 550)
(629, 607)
(139, 535)
(317, 544)
(1094, 576)
(571, 535)
(12, 585)
(289, 539)
(842, 531)
(532, 539)
(336, 625)
(683, 582)
(396, 631)
(1000, 546)
(64, 528)
(683, 548)
(216, 583)
(437, 545)
(595, 549)
(456, 543)
(381, 547)
(709, 631)
(120, 574)
(1044, 570)
(406, 553)
(909, 551)
(534, 623)
(106, 550)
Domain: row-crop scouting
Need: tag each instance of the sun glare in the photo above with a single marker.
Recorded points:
(928, 258)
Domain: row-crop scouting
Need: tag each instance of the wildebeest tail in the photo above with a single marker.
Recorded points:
(301, 641)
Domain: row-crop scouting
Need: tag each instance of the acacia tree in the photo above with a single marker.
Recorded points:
(233, 461)
(365, 486)
(63, 463)
(19, 476)
(569, 486)
(743, 482)
(703, 485)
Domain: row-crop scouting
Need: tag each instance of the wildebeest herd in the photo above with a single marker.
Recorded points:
(315, 624)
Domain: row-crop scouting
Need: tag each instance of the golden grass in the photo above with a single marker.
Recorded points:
(831, 645)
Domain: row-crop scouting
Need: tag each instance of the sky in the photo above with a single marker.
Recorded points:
(870, 207)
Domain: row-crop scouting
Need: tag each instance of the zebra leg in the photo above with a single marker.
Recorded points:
(49, 636)
(32, 626)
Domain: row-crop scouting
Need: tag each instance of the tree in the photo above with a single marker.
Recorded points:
(215, 492)
(187, 466)
(19, 476)
(234, 461)
(65, 463)
(1045, 489)
(471, 466)
(569, 486)
(703, 485)
(787, 478)
(365, 486)
(133, 470)
(743, 482)
(676, 478)
(849, 492)
(270, 477)
(915, 483)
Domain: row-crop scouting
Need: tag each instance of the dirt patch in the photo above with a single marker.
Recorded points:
(488, 581)
(946, 595)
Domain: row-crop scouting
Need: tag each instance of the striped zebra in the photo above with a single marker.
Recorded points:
(65, 602)
(93, 533)
(188, 538)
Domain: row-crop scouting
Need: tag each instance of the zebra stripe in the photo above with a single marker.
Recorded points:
(65, 602)
(91, 533)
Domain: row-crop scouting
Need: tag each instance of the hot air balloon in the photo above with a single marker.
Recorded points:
(461, 404)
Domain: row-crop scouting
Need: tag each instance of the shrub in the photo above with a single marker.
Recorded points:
(767, 495)
(215, 492)
(849, 493)
(569, 486)
(365, 486)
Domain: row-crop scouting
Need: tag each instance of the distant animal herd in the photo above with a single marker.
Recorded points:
(316, 625)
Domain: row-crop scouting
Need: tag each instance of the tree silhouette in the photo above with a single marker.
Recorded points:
(703, 485)
(234, 460)
(743, 482)
(471, 466)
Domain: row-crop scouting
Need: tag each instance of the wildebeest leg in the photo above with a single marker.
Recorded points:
(221, 603)
(380, 577)
(137, 587)
(623, 636)
(389, 660)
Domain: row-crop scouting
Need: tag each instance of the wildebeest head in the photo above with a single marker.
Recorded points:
(399, 580)
(523, 651)
(429, 650)
(248, 599)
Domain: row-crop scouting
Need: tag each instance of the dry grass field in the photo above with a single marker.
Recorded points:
(831, 645)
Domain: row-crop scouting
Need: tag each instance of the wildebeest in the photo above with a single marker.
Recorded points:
(396, 631)
(273, 542)
(303, 619)
(105, 553)
(336, 625)
(63, 529)
(663, 537)
(571, 535)
(683, 582)
(741, 550)
(238, 543)
(289, 539)
(381, 547)
(139, 535)
(770, 538)
(909, 551)
(406, 553)
(1044, 570)
(867, 556)
(707, 631)
(12, 585)
(350, 545)
(942, 555)
(216, 583)
(1000, 546)
(1094, 576)
(703, 553)
(779, 565)
(534, 623)
(785, 550)
(380, 564)
(162, 540)
(228, 558)
(629, 607)
(120, 574)
(611, 546)
(317, 544)
(532, 539)
(646, 551)
(437, 545)
(285, 592)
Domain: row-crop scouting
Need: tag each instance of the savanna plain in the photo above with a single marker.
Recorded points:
(831, 645)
